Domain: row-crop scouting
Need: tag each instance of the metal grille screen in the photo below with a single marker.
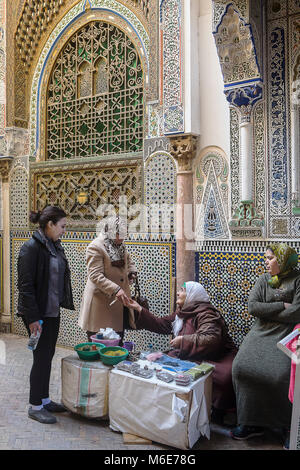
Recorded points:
(95, 95)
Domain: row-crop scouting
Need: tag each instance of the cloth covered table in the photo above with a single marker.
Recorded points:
(162, 412)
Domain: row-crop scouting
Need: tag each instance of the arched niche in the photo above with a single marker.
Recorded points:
(211, 194)
(131, 27)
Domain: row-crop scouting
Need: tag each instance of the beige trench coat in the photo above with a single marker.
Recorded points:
(102, 283)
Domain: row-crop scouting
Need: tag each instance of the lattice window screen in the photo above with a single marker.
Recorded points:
(97, 185)
(95, 95)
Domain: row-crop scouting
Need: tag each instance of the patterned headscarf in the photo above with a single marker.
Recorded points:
(111, 226)
(287, 259)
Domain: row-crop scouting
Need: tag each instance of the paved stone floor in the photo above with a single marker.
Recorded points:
(71, 432)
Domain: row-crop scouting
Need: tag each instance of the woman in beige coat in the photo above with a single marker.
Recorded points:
(110, 271)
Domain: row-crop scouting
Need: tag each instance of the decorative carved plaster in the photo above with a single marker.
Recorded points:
(211, 178)
(69, 25)
(246, 216)
(5, 166)
(138, 13)
(38, 17)
(236, 50)
(219, 8)
(171, 46)
(100, 183)
(17, 141)
(245, 98)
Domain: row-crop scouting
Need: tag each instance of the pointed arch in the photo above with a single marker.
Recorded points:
(121, 18)
(211, 180)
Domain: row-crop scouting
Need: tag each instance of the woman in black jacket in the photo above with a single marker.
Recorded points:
(44, 285)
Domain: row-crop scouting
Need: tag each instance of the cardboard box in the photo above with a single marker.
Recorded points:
(85, 387)
(165, 413)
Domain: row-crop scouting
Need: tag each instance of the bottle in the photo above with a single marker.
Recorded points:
(34, 339)
(144, 354)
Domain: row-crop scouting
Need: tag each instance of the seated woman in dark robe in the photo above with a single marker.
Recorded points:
(261, 372)
(200, 334)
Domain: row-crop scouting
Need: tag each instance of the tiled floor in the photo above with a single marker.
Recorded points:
(72, 432)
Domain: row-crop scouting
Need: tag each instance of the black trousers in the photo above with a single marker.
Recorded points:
(42, 360)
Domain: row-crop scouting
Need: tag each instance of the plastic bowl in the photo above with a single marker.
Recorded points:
(89, 355)
(112, 360)
(106, 342)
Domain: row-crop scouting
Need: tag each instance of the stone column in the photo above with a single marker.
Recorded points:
(246, 222)
(295, 156)
(17, 145)
(5, 164)
(246, 131)
(183, 149)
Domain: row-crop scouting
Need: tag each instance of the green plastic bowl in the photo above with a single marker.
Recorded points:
(112, 360)
(88, 355)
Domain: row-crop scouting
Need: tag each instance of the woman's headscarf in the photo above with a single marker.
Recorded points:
(287, 259)
(112, 226)
(195, 292)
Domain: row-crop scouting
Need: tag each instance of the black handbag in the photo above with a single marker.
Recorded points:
(137, 295)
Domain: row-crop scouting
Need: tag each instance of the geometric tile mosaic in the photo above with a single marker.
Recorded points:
(228, 278)
(1, 270)
(154, 266)
(228, 270)
(160, 191)
(18, 197)
(212, 220)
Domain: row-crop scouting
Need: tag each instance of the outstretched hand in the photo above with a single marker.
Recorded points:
(121, 296)
(130, 303)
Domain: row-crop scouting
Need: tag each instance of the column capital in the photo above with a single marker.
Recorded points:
(244, 98)
(5, 165)
(183, 147)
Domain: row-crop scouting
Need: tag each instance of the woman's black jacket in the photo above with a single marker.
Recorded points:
(33, 279)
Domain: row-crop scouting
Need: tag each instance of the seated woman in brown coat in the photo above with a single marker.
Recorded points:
(200, 334)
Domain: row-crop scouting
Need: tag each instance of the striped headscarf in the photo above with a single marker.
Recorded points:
(287, 259)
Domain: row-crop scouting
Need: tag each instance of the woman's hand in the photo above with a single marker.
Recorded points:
(35, 327)
(132, 277)
(287, 305)
(176, 342)
(133, 304)
(121, 296)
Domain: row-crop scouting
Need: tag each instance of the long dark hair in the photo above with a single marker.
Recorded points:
(50, 213)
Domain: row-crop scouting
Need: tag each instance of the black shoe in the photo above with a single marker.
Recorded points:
(55, 407)
(43, 416)
(242, 433)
